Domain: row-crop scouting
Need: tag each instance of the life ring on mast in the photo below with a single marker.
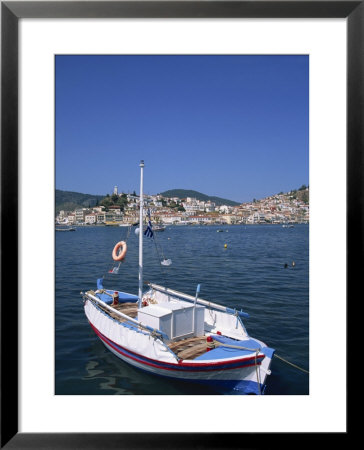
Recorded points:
(121, 255)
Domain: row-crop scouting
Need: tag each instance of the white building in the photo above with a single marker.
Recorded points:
(90, 218)
(170, 219)
(80, 215)
(210, 206)
(200, 219)
(71, 218)
(100, 217)
(190, 208)
(225, 209)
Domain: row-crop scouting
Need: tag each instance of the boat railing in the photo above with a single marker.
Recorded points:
(152, 331)
(200, 301)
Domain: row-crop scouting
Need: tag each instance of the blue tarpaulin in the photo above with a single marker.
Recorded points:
(123, 296)
(250, 343)
(227, 352)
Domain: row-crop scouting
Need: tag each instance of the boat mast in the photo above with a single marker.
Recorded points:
(140, 294)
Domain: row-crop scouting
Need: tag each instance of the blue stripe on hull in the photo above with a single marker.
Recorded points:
(241, 387)
(230, 387)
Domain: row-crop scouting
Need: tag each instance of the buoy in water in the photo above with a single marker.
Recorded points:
(166, 262)
(137, 231)
(225, 246)
(286, 265)
(293, 263)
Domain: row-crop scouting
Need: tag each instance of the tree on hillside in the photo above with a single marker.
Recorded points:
(305, 198)
(122, 202)
(107, 202)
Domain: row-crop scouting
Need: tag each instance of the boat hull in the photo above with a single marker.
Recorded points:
(239, 375)
(242, 372)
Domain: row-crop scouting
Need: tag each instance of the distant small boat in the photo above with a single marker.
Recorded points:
(124, 224)
(65, 228)
(112, 223)
(158, 228)
(287, 225)
(182, 222)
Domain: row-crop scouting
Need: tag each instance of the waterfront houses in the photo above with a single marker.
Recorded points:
(291, 207)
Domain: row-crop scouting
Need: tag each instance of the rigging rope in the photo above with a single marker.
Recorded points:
(158, 248)
(157, 245)
(163, 272)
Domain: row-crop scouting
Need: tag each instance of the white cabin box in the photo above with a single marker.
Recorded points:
(176, 319)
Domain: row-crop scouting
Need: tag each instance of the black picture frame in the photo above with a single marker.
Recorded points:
(11, 12)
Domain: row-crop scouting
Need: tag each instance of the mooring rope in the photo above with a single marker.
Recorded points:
(291, 364)
(217, 343)
(256, 350)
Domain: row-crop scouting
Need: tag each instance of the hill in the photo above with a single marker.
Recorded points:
(183, 193)
(69, 201)
(302, 194)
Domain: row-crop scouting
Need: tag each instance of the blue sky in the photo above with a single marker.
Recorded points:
(232, 126)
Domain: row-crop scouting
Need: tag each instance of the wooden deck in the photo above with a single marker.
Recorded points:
(189, 348)
(130, 309)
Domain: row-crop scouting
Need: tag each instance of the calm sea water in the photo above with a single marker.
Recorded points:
(249, 273)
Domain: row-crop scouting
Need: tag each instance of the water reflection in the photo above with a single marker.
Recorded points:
(114, 376)
(107, 382)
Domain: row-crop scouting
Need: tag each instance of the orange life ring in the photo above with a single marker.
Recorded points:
(121, 255)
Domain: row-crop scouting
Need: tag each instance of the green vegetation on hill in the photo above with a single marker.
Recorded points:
(69, 201)
(184, 193)
(114, 200)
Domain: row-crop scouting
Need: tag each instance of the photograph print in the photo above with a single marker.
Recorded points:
(182, 224)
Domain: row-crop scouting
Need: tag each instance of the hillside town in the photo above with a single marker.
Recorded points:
(282, 208)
